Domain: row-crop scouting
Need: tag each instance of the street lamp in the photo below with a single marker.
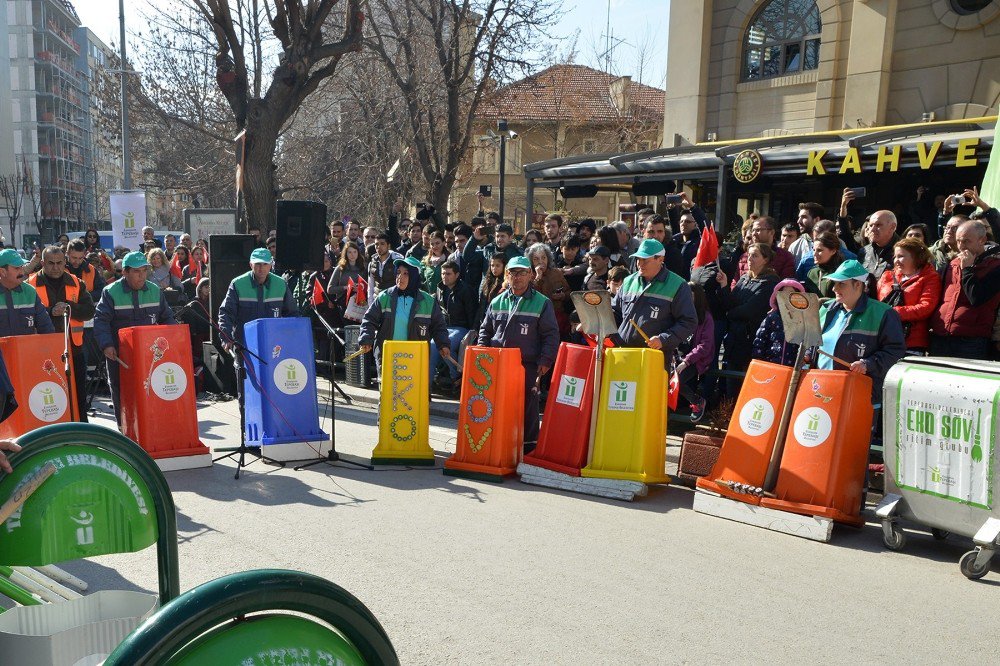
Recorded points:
(505, 134)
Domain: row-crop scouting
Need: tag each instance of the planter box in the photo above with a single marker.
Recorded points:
(698, 455)
(83, 630)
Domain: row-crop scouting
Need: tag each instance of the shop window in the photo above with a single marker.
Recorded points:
(783, 38)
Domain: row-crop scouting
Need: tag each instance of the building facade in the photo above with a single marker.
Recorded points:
(563, 110)
(740, 69)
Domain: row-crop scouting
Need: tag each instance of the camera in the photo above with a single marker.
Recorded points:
(960, 200)
(486, 190)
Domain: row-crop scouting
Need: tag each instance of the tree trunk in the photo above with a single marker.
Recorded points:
(259, 186)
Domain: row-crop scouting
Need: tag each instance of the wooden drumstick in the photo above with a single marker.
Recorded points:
(22, 494)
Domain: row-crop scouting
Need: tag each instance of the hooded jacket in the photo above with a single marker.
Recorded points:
(425, 323)
(921, 296)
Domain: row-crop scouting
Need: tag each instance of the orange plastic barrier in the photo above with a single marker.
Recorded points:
(490, 420)
(823, 466)
(157, 391)
(565, 436)
(753, 429)
(35, 366)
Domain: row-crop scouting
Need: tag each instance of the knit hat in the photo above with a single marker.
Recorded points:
(794, 284)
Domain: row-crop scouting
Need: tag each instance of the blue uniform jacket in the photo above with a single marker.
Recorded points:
(529, 325)
(235, 312)
(426, 321)
(25, 320)
(108, 320)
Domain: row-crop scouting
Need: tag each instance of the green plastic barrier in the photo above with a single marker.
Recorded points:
(107, 496)
(198, 628)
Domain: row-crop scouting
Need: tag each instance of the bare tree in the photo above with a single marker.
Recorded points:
(445, 57)
(11, 189)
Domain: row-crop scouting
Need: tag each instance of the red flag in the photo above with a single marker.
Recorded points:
(319, 294)
(176, 268)
(350, 290)
(362, 297)
(673, 391)
(708, 248)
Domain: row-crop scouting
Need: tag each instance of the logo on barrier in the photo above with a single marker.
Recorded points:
(48, 402)
(757, 417)
(571, 390)
(85, 531)
(169, 381)
(290, 376)
(812, 427)
(621, 397)
(130, 220)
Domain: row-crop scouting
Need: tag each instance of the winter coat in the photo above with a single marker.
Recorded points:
(747, 303)
(873, 334)
(426, 321)
(336, 288)
(699, 351)
(816, 282)
(663, 307)
(971, 296)
(527, 323)
(921, 297)
(769, 342)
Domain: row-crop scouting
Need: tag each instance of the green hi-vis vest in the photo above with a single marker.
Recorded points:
(148, 297)
(663, 290)
(867, 323)
(246, 289)
(530, 306)
(422, 307)
(23, 298)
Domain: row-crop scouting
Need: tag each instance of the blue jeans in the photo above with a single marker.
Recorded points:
(455, 335)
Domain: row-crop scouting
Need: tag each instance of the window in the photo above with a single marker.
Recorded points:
(969, 6)
(783, 38)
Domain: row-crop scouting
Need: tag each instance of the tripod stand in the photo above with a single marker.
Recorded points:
(333, 456)
(237, 352)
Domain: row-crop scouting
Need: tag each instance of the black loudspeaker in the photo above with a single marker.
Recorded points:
(229, 257)
(301, 229)
(651, 188)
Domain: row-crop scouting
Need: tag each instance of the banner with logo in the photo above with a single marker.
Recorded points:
(946, 434)
(128, 217)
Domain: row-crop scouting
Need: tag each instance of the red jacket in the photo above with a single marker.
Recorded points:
(921, 296)
(969, 307)
(783, 264)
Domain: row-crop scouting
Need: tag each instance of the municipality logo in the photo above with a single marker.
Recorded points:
(290, 372)
(758, 412)
(570, 387)
(290, 377)
(571, 390)
(130, 220)
(168, 377)
(48, 398)
(812, 425)
(621, 392)
(936, 474)
(85, 531)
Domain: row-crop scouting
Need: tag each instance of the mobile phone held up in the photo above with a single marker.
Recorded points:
(674, 198)
(486, 190)
(859, 192)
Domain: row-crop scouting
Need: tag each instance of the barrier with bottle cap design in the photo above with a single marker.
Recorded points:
(630, 441)
(280, 389)
(158, 407)
(490, 420)
(43, 394)
(823, 465)
(753, 430)
(564, 440)
(404, 406)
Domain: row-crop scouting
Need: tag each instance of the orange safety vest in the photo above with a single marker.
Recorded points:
(89, 274)
(72, 296)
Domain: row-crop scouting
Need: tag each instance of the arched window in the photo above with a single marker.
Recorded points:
(783, 38)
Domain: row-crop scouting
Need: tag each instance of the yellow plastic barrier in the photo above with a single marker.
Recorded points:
(404, 410)
(630, 443)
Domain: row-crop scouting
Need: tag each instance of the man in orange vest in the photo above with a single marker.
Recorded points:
(60, 291)
(76, 263)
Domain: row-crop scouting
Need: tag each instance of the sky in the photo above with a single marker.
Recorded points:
(637, 26)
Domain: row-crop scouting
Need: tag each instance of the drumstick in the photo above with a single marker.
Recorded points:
(834, 358)
(353, 356)
(639, 330)
(123, 364)
(453, 362)
(21, 495)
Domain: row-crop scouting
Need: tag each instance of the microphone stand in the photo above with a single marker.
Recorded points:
(239, 348)
(333, 456)
(74, 410)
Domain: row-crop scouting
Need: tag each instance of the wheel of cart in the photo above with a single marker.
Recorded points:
(233, 620)
(93, 492)
(940, 421)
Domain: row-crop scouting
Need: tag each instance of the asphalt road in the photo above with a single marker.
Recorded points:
(467, 572)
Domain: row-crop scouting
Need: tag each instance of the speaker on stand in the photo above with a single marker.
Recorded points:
(301, 227)
(230, 257)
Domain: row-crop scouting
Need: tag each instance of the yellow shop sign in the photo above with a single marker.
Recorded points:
(889, 156)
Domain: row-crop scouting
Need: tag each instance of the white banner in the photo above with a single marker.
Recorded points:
(128, 217)
(945, 437)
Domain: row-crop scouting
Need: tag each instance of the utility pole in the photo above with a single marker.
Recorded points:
(126, 157)
(502, 128)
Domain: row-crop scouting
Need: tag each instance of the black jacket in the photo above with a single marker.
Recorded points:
(746, 306)
(459, 305)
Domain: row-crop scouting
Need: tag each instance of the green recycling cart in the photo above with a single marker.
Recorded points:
(940, 418)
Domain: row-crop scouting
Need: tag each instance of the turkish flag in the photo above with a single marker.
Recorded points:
(708, 248)
(319, 294)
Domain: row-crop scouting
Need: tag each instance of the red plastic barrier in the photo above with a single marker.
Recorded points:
(157, 391)
(35, 366)
(565, 436)
(752, 432)
(491, 417)
(823, 466)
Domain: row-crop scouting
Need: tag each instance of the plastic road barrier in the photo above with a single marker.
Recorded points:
(823, 465)
(940, 418)
(35, 365)
(490, 420)
(564, 441)
(280, 388)
(752, 431)
(158, 395)
(404, 408)
(630, 442)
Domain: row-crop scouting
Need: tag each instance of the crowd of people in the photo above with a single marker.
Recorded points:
(885, 293)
